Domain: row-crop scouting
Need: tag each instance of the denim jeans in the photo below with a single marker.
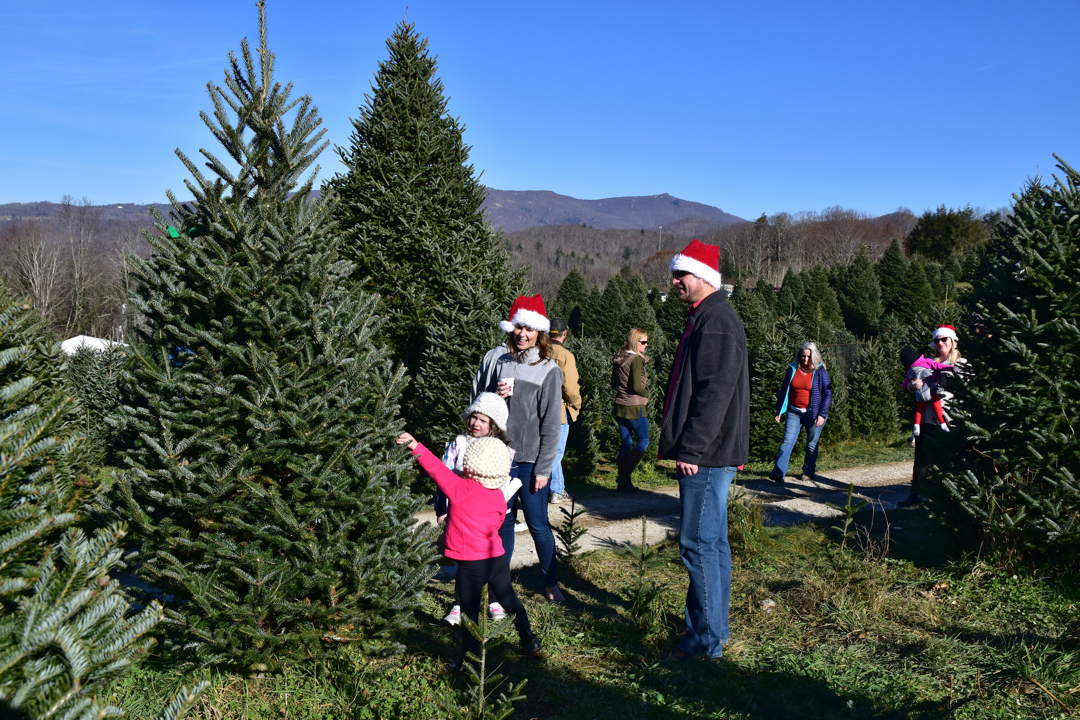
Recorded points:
(792, 424)
(558, 481)
(534, 505)
(640, 427)
(703, 546)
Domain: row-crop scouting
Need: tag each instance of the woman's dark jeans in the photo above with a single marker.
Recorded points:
(534, 505)
(639, 427)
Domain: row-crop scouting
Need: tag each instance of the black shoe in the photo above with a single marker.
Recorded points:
(530, 645)
(809, 475)
(626, 487)
(776, 476)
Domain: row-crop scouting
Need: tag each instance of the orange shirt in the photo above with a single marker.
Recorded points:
(800, 389)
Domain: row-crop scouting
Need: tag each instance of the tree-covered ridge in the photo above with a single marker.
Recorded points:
(258, 470)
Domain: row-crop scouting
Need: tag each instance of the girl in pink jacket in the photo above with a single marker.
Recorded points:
(477, 509)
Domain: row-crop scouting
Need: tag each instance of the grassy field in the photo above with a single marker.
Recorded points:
(892, 625)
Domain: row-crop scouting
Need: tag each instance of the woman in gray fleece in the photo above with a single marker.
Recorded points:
(531, 383)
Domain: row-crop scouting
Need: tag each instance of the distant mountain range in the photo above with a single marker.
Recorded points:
(511, 210)
(514, 210)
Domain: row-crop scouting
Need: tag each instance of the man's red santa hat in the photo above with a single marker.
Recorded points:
(527, 311)
(701, 260)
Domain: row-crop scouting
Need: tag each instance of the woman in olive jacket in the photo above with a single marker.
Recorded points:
(630, 383)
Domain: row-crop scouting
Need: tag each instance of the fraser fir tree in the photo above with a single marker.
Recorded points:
(917, 298)
(819, 310)
(871, 389)
(860, 296)
(610, 321)
(66, 629)
(791, 293)
(1018, 470)
(573, 293)
(92, 378)
(892, 271)
(260, 477)
(410, 211)
(594, 426)
(767, 292)
(768, 360)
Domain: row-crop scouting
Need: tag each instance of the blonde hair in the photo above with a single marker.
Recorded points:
(815, 355)
(632, 338)
(954, 354)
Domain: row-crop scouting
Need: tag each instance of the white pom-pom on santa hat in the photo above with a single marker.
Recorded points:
(527, 311)
(700, 260)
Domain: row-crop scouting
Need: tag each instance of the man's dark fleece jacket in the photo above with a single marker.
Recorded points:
(707, 422)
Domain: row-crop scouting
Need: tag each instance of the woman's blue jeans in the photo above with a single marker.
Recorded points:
(792, 424)
(639, 427)
(535, 507)
(703, 546)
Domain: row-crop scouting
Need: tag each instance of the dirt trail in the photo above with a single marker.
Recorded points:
(613, 520)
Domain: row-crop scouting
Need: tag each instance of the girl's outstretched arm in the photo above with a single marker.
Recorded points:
(444, 477)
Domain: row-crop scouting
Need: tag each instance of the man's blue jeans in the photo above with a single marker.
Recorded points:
(793, 423)
(703, 546)
(558, 481)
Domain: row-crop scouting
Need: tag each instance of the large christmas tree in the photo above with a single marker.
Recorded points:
(412, 224)
(1020, 409)
(66, 629)
(260, 477)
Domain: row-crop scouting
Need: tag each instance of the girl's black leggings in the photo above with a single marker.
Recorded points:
(472, 575)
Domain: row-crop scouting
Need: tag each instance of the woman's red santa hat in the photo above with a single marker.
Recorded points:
(701, 260)
(527, 311)
(945, 331)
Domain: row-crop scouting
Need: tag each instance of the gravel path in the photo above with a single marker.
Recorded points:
(613, 520)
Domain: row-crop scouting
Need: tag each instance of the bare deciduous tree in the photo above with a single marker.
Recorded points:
(34, 266)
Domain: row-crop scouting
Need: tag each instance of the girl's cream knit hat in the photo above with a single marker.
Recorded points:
(488, 462)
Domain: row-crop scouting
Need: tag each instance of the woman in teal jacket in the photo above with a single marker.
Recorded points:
(803, 402)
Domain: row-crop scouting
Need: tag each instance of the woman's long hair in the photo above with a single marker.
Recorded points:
(815, 355)
(632, 338)
(954, 354)
(543, 344)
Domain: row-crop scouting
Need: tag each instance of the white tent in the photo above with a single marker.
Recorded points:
(70, 345)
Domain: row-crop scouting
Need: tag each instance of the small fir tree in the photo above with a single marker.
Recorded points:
(1017, 471)
(917, 299)
(594, 427)
(573, 293)
(66, 629)
(892, 273)
(871, 389)
(765, 289)
(768, 361)
(260, 477)
(860, 296)
(819, 310)
(610, 321)
(791, 293)
(93, 378)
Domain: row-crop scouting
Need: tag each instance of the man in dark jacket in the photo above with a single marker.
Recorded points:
(706, 430)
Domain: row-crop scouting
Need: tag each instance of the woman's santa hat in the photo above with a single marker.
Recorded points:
(701, 260)
(945, 331)
(527, 311)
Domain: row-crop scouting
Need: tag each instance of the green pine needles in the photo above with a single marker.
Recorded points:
(259, 474)
(66, 629)
(1020, 409)
(411, 222)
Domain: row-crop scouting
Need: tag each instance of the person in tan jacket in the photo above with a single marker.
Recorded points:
(571, 403)
(630, 383)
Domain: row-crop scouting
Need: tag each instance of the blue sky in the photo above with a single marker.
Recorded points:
(752, 107)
